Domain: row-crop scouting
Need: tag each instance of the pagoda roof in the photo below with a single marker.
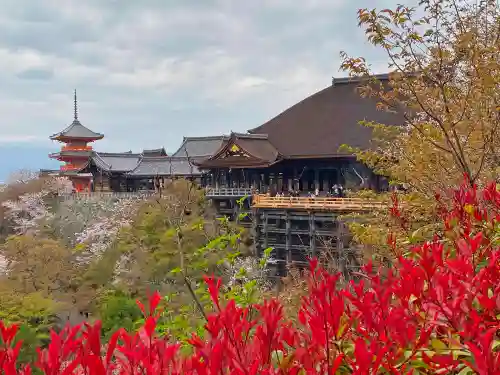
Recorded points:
(199, 147)
(164, 166)
(116, 162)
(75, 172)
(77, 131)
(71, 153)
(49, 172)
(243, 150)
(318, 125)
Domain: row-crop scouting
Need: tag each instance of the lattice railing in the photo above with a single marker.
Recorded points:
(108, 194)
(227, 192)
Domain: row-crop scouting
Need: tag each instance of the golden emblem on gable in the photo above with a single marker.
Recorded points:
(235, 150)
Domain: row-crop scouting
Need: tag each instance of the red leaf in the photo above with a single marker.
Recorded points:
(141, 307)
(154, 300)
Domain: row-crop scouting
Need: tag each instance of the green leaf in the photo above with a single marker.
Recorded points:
(466, 371)
(438, 345)
(268, 251)
(481, 265)
(176, 271)
(418, 364)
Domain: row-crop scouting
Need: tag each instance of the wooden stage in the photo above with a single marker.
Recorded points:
(316, 204)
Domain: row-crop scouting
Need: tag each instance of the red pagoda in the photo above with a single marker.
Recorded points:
(76, 151)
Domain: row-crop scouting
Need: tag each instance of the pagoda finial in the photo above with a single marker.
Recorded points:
(76, 107)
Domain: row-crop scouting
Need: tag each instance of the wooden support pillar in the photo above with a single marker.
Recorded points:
(246, 177)
(295, 179)
(265, 230)
(326, 178)
(256, 232)
(316, 179)
(216, 203)
(312, 234)
(217, 178)
(288, 238)
(340, 247)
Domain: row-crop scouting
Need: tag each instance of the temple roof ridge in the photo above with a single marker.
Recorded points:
(155, 152)
(118, 162)
(164, 157)
(164, 166)
(205, 138)
(200, 147)
(249, 135)
(359, 79)
(118, 154)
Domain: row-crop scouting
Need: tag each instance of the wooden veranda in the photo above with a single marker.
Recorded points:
(316, 203)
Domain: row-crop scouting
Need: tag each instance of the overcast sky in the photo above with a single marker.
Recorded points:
(149, 72)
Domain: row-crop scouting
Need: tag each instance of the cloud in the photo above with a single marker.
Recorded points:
(150, 72)
(36, 74)
(18, 138)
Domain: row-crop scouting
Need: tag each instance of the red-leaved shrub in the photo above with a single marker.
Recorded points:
(434, 312)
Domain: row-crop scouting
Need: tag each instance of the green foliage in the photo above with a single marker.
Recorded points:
(191, 248)
(35, 313)
(244, 290)
(117, 310)
(165, 235)
(171, 243)
(37, 265)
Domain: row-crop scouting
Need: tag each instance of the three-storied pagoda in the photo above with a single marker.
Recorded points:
(76, 151)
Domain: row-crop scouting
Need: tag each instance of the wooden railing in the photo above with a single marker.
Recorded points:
(76, 148)
(70, 167)
(107, 194)
(317, 203)
(227, 192)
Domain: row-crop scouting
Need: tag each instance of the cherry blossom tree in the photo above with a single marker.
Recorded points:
(98, 234)
(90, 224)
(29, 209)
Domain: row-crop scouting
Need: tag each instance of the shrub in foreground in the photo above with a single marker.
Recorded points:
(436, 311)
